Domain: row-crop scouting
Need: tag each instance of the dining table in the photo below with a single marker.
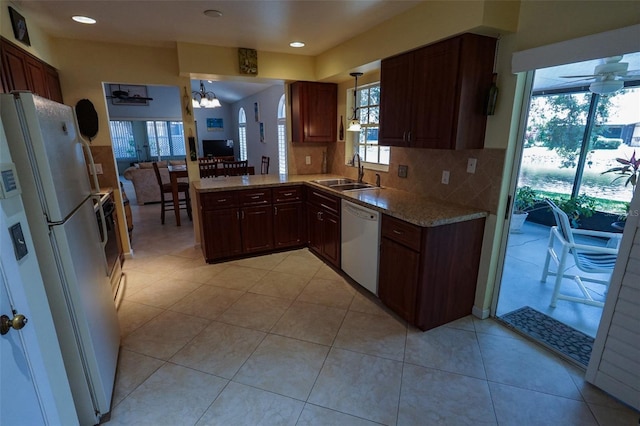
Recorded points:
(176, 172)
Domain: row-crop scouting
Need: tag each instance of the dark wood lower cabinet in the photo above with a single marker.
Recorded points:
(398, 276)
(288, 225)
(428, 275)
(323, 226)
(252, 221)
(221, 236)
(256, 228)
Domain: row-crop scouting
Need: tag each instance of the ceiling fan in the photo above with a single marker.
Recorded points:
(609, 77)
(124, 95)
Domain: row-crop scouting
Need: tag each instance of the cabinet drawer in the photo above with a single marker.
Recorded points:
(402, 232)
(324, 200)
(218, 200)
(255, 197)
(287, 194)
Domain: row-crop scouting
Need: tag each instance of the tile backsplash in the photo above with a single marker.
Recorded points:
(425, 166)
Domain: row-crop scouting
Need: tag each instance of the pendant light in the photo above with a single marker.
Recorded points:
(354, 123)
(204, 99)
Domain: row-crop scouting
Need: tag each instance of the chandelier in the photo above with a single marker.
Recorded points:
(204, 99)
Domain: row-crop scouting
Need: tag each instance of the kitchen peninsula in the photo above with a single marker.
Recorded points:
(429, 249)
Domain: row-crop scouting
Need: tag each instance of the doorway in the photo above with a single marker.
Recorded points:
(579, 149)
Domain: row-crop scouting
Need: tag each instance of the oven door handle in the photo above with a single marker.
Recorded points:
(103, 223)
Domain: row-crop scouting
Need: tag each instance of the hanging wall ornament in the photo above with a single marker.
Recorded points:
(87, 118)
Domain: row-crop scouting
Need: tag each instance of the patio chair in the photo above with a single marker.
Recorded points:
(590, 259)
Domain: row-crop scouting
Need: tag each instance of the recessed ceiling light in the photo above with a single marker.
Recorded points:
(212, 13)
(296, 44)
(83, 19)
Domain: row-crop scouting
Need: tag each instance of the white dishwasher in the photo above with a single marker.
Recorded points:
(361, 244)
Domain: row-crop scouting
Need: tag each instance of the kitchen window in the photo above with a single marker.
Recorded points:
(166, 139)
(242, 133)
(365, 141)
(282, 140)
(134, 140)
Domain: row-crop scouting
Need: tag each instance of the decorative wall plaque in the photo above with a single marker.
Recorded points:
(248, 60)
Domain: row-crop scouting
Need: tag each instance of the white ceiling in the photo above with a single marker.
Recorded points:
(264, 25)
(267, 25)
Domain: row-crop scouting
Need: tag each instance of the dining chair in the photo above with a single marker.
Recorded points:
(167, 203)
(235, 168)
(588, 258)
(208, 167)
(264, 165)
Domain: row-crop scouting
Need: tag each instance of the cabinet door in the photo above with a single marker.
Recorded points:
(221, 231)
(257, 228)
(314, 228)
(288, 225)
(398, 278)
(36, 77)
(314, 111)
(331, 237)
(14, 68)
(435, 95)
(396, 77)
(53, 84)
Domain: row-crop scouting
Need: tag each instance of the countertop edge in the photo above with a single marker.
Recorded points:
(396, 203)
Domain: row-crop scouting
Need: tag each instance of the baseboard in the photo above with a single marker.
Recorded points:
(480, 313)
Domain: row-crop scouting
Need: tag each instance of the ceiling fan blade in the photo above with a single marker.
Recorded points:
(580, 76)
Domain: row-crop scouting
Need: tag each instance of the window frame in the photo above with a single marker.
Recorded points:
(355, 137)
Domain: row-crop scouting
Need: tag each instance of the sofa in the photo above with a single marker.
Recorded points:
(144, 180)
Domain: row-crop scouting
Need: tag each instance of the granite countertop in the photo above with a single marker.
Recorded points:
(421, 211)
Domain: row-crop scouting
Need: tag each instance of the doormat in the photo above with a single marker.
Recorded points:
(560, 338)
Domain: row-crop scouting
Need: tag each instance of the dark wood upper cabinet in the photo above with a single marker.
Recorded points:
(434, 97)
(314, 111)
(22, 71)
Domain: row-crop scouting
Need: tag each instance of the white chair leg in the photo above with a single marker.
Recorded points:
(545, 270)
(559, 277)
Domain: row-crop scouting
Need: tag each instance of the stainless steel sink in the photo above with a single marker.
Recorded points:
(344, 184)
(332, 182)
(352, 186)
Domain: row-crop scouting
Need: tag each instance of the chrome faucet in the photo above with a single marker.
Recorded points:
(360, 166)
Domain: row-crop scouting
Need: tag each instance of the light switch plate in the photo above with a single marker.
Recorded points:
(471, 165)
(445, 177)
(402, 171)
(307, 160)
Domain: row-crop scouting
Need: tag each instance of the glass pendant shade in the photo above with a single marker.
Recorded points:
(204, 99)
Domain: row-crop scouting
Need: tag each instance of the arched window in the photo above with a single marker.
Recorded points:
(242, 133)
(282, 137)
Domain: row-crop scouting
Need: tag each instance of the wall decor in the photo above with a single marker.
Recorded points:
(262, 132)
(19, 27)
(215, 125)
(256, 111)
(248, 60)
(128, 94)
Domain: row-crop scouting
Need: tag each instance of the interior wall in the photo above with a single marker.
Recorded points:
(204, 132)
(164, 106)
(268, 101)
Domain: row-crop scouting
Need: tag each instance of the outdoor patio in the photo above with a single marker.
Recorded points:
(521, 284)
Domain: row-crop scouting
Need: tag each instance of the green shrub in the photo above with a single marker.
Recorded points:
(606, 143)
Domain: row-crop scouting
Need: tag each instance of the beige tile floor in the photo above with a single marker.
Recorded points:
(283, 339)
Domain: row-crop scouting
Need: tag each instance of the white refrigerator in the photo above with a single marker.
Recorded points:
(48, 153)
